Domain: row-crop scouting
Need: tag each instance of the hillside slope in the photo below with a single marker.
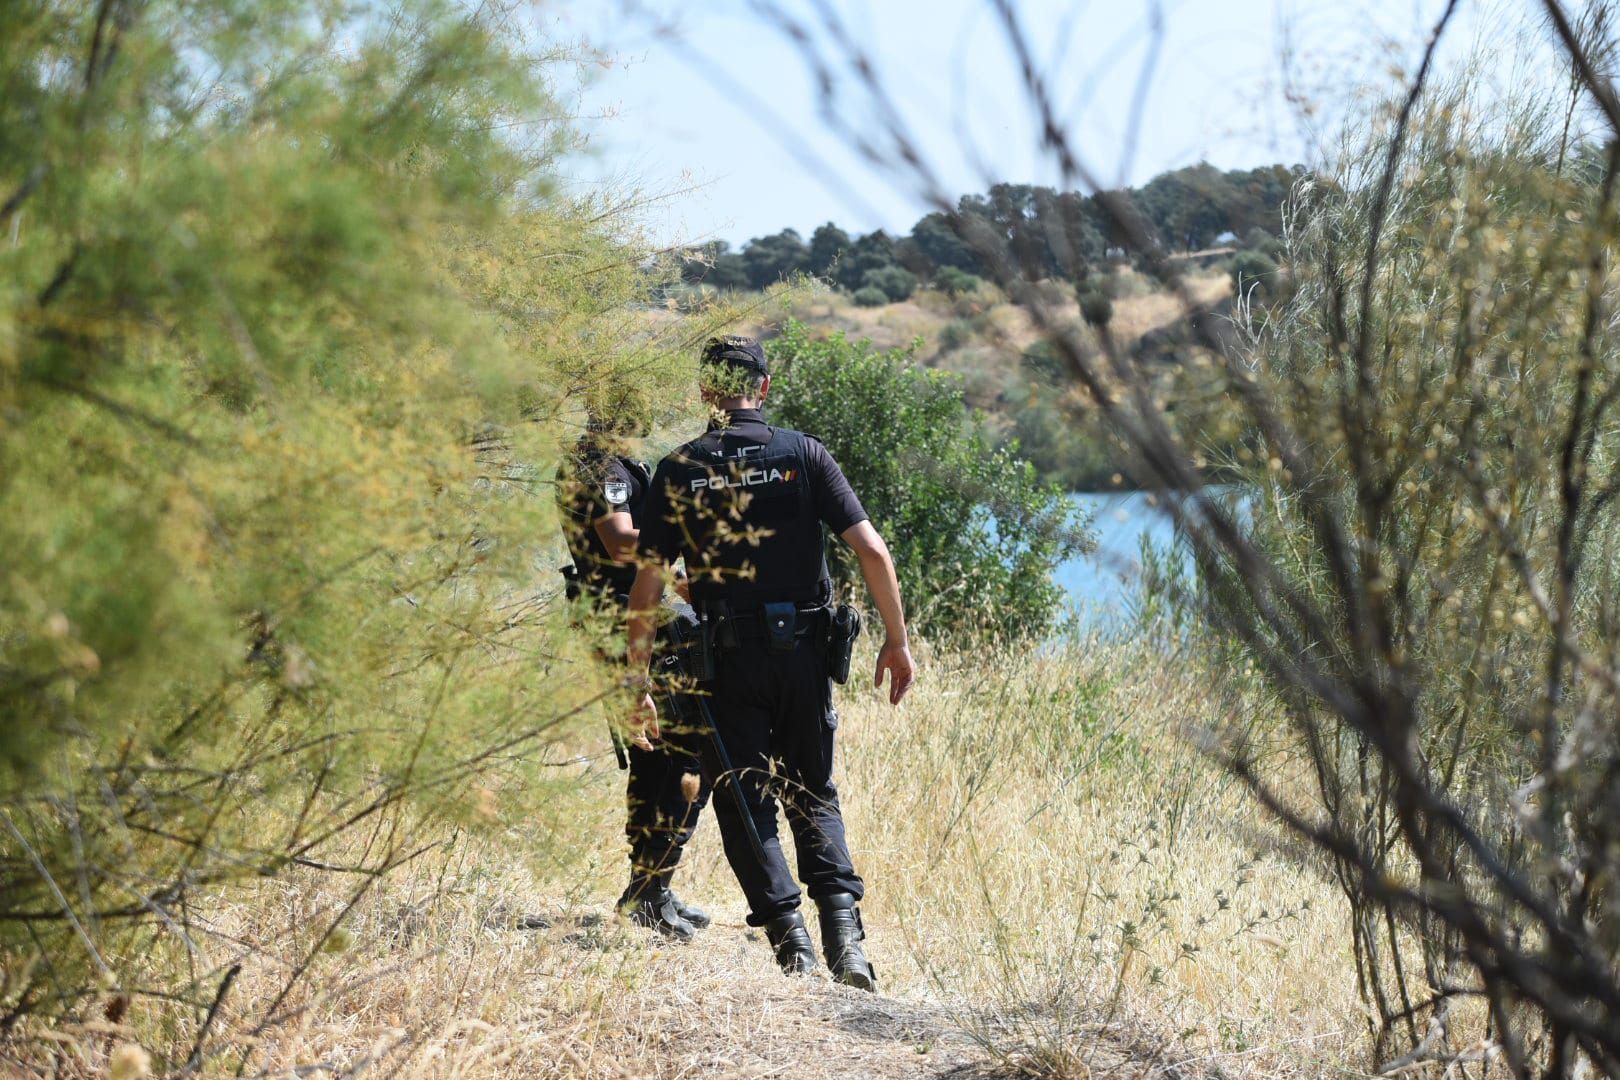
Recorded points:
(959, 332)
(1006, 369)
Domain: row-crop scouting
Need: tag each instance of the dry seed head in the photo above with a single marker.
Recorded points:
(298, 671)
(691, 786)
(129, 1062)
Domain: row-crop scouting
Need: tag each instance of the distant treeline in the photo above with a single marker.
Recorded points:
(1049, 231)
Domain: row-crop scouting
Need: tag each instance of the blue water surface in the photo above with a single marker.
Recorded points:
(1102, 587)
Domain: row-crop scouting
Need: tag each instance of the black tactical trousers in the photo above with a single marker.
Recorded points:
(658, 819)
(776, 707)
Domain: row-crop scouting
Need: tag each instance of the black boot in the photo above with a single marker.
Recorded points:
(695, 915)
(655, 908)
(791, 943)
(841, 937)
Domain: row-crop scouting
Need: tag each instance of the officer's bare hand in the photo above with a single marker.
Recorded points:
(895, 658)
(644, 723)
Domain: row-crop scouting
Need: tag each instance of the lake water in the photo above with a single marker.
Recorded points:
(1101, 586)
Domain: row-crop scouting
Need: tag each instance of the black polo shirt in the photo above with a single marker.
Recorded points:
(663, 530)
(592, 484)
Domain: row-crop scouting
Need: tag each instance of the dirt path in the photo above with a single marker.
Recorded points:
(718, 1008)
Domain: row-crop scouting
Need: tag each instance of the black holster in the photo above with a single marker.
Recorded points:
(842, 629)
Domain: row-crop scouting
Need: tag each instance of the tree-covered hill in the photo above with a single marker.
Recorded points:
(1046, 230)
(929, 292)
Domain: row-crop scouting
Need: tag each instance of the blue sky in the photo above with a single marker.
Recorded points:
(719, 117)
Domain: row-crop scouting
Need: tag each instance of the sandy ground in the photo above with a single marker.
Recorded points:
(725, 1012)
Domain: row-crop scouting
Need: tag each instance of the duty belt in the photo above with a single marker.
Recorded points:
(752, 624)
(724, 627)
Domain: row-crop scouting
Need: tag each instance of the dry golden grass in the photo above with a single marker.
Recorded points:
(1057, 884)
(1139, 309)
(1140, 314)
(1060, 860)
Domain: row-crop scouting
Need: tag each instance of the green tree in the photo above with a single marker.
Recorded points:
(938, 240)
(1188, 207)
(827, 244)
(975, 534)
(1255, 199)
(1078, 243)
(714, 264)
(873, 251)
(770, 259)
(954, 282)
(1118, 219)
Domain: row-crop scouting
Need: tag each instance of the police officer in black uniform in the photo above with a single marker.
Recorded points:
(600, 494)
(744, 506)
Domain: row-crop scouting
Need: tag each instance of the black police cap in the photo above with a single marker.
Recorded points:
(743, 352)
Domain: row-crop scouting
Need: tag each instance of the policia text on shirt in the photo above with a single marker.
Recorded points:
(744, 506)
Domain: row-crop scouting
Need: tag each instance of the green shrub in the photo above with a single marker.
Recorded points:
(1424, 591)
(1072, 451)
(279, 365)
(954, 282)
(975, 534)
(1096, 308)
(870, 296)
(955, 334)
(1267, 244)
(896, 282)
(1254, 271)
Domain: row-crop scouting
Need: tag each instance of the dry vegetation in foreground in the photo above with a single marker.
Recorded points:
(1058, 884)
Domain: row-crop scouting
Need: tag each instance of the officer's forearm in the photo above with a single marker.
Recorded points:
(878, 570)
(877, 567)
(644, 596)
(623, 547)
(619, 536)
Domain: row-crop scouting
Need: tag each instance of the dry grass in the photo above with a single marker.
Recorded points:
(1057, 885)
(1060, 859)
(1137, 315)
(1139, 309)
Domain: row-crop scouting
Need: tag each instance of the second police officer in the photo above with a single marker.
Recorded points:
(744, 506)
(600, 494)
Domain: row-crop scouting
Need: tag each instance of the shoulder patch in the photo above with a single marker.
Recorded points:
(616, 492)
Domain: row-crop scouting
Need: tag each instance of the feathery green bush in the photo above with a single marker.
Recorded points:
(974, 533)
(291, 321)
